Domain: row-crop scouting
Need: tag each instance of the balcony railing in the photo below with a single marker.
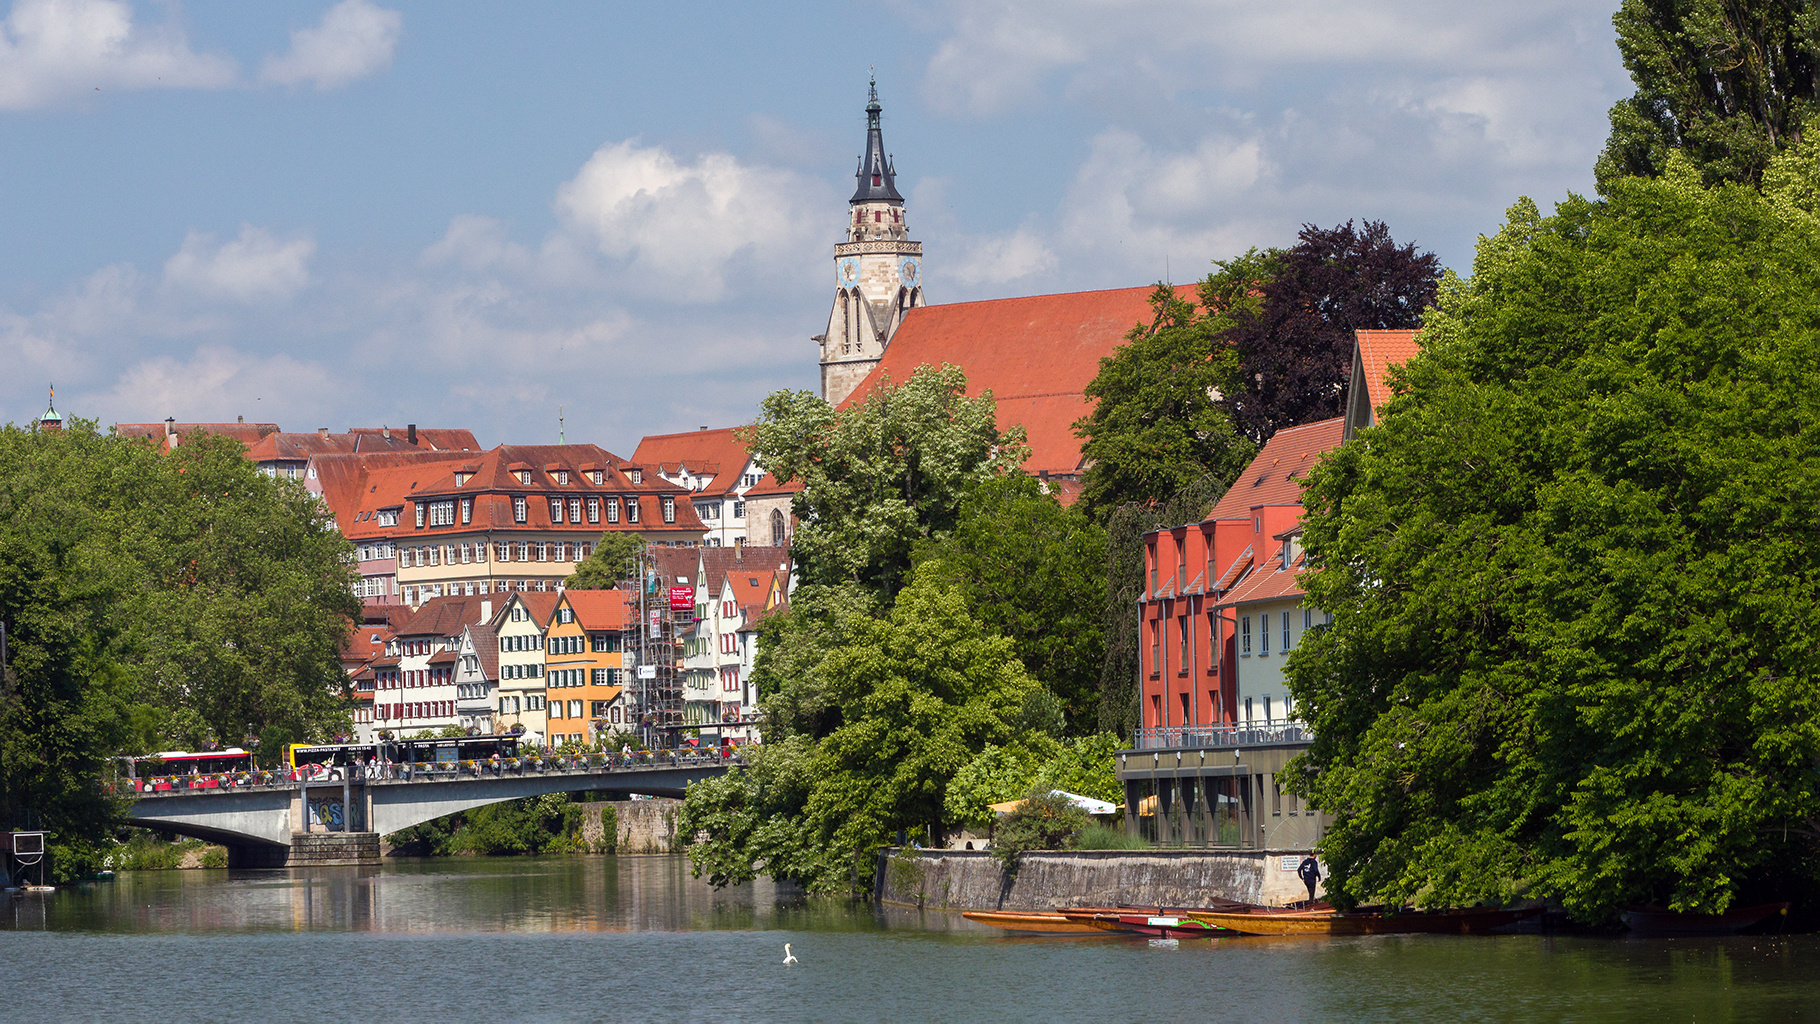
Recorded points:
(1204, 737)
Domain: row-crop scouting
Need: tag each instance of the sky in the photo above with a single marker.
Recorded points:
(370, 212)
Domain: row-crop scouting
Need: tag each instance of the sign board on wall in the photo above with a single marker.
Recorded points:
(1291, 862)
(682, 599)
(647, 671)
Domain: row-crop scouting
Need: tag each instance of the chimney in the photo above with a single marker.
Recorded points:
(240, 419)
(410, 433)
(322, 432)
(170, 426)
(739, 550)
(486, 609)
(704, 426)
(387, 432)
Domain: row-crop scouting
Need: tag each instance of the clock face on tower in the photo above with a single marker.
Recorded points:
(908, 271)
(846, 272)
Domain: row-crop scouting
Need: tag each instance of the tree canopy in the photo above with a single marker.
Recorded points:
(1727, 83)
(1575, 571)
(1035, 572)
(608, 564)
(155, 601)
(1294, 347)
(883, 474)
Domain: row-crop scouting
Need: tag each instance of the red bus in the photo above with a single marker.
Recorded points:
(179, 769)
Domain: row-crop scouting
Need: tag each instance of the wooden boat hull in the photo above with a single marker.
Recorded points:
(1159, 926)
(1030, 922)
(1461, 922)
(1657, 921)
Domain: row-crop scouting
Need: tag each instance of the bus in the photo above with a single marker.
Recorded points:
(184, 769)
(332, 760)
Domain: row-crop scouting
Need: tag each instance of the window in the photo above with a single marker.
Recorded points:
(534, 702)
(594, 510)
(739, 510)
(1181, 661)
(555, 510)
(598, 476)
(1247, 709)
(388, 517)
(669, 509)
(467, 511)
(1285, 632)
(1156, 648)
(1264, 635)
(574, 510)
(612, 510)
(1150, 556)
(543, 551)
(1307, 619)
(631, 510)
(524, 551)
(563, 551)
(524, 476)
(1245, 637)
(420, 513)
(518, 509)
(556, 709)
(502, 551)
(1213, 640)
(480, 555)
(575, 709)
(562, 477)
(777, 529)
(638, 475)
(1267, 709)
(442, 513)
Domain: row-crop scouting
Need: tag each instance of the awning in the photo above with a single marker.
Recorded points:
(1085, 803)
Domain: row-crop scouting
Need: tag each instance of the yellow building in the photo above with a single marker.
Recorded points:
(583, 667)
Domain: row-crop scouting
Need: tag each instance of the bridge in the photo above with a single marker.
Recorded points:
(270, 819)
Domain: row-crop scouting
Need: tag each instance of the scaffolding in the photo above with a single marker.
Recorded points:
(653, 640)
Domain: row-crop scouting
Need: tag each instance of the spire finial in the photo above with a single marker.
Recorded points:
(872, 107)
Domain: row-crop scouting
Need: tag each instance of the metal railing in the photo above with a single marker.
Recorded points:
(1204, 737)
(426, 771)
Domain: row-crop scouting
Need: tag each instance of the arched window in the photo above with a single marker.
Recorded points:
(777, 528)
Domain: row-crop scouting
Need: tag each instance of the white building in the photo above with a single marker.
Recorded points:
(519, 628)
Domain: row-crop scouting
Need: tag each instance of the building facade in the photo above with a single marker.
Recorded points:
(518, 628)
(584, 666)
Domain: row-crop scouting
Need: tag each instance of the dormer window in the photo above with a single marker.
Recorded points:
(631, 510)
(524, 477)
(562, 477)
(556, 510)
(467, 511)
(461, 479)
(598, 476)
(612, 510)
(420, 514)
(518, 509)
(669, 509)
(638, 475)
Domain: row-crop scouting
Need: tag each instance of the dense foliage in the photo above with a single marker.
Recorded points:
(1035, 572)
(1725, 83)
(1294, 347)
(551, 823)
(899, 705)
(1043, 820)
(1157, 422)
(1575, 572)
(155, 601)
(1085, 766)
(883, 474)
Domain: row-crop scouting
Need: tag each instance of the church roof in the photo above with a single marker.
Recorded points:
(1036, 354)
(877, 178)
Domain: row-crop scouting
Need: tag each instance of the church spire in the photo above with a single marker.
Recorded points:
(51, 421)
(877, 178)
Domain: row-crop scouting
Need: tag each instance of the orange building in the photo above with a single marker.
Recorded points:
(583, 666)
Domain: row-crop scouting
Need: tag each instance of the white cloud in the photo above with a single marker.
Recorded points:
(354, 40)
(684, 230)
(214, 383)
(55, 51)
(1000, 259)
(253, 268)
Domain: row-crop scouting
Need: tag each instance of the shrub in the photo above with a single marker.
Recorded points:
(1043, 821)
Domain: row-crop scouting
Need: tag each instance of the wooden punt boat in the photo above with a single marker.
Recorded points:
(1158, 926)
(1030, 922)
(1464, 922)
(1660, 921)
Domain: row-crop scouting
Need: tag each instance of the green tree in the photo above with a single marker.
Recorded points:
(1042, 821)
(608, 564)
(911, 698)
(1728, 83)
(1157, 423)
(883, 474)
(1086, 766)
(1575, 572)
(154, 601)
(1035, 572)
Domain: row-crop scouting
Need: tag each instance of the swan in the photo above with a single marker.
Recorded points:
(789, 957)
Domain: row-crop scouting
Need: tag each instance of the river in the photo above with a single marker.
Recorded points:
(635, 938)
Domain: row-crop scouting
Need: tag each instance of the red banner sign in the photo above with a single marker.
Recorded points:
(682, 599)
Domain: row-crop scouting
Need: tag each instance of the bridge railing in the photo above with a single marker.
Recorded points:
(425, 771)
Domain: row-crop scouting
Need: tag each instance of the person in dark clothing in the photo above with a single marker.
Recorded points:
(1310, 873)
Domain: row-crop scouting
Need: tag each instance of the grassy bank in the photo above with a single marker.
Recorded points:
(148, 851)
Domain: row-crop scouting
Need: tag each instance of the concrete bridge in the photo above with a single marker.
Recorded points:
(269, 820)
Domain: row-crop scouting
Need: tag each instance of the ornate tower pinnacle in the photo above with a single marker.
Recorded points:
(877, 270)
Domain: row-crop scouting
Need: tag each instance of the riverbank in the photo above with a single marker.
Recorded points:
(975, 880)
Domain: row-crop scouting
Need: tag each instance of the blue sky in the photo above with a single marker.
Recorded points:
(370, 212)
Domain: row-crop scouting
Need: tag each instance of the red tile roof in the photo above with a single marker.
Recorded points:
(486, 648)
(1378, 352)
(541, 605)
(720, 563)
(245, 433)
(713, 453)
(342, 478)
(443, 616)
(1275, 476)
(597, 609)
(1268, 582)
(1036, 354)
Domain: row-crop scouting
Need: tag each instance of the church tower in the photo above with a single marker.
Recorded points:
(878, 272)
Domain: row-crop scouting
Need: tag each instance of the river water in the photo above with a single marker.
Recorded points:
(635, 939)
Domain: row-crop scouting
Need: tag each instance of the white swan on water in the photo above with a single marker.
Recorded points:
(789, 957)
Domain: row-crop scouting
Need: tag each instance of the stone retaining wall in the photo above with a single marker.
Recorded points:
(971, 880)
(332, 848)
(647, 826)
